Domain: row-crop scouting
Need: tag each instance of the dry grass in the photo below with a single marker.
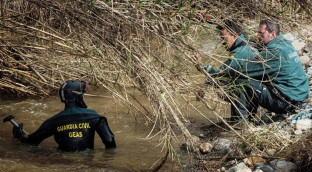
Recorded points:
(300, 153)
(147, 45)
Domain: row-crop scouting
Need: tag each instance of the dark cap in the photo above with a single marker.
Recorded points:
(230, 25)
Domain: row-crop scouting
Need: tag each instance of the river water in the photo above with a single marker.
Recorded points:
(133, 152)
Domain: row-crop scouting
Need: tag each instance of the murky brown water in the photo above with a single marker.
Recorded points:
(133, 151)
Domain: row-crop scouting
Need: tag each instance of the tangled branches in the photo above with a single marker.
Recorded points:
(148, 45)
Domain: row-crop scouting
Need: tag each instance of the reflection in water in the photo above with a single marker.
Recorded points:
(132, 153)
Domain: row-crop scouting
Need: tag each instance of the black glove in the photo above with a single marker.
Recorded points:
(18, 131)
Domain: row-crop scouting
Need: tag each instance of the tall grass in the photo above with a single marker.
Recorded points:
(117, 45)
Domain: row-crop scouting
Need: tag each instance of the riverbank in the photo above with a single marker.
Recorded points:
(119, 46)
(281, 143)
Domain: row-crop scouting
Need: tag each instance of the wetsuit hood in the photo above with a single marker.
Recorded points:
(71, 93)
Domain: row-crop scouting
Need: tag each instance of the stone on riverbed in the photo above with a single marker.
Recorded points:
(241, 167)
(283, 166)
(222, 146)
(205, 147)
(304, 124)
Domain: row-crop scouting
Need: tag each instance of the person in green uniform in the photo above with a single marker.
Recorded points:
(273, 78)
(240, 50)
(276, 79)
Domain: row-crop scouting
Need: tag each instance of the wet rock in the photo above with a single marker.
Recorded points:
(265, 168)
(205, 147)
(304, 124)
(259, 164)
(261, 167)
(241, 167)
(222, 146)
(283, 166)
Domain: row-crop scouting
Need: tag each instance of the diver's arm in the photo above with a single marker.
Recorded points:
(43, 132)
(105, 133)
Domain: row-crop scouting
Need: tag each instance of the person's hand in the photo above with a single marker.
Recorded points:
(18, 131)
(197, 58)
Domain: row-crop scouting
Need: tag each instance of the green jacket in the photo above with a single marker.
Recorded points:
(282, 66)
(239, 52)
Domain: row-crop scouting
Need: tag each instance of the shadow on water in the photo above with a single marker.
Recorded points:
(133, 152)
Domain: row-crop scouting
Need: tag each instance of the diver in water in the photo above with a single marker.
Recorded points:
(75, 126)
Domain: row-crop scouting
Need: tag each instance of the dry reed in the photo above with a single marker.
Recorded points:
(117, 45)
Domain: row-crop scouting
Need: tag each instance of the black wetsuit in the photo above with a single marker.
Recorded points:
(74, 130)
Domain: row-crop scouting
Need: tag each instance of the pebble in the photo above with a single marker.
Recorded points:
(266, 168)
(241, 167)
(205, 148)
(304, 124)
(222, 145)
(283, 166)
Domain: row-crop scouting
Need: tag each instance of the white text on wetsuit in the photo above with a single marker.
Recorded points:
(73, 127)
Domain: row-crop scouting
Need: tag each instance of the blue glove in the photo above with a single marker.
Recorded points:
(18, 131)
